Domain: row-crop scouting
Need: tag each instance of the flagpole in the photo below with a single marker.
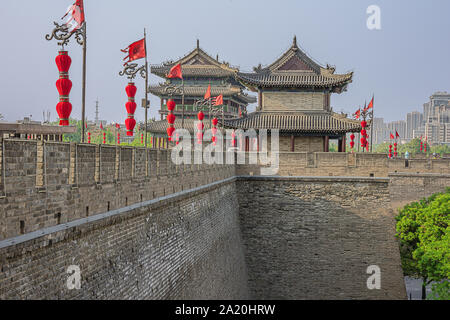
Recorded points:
(146, 87)
(83, 94)
(182, 102)
(371, 129)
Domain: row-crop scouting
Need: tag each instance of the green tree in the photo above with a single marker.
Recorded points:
(73, 137)
(424, 233)
(413, 147)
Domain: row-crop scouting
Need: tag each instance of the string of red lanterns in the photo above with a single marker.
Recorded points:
(395, 150)
(130, 122)
(364, 143)
(200, 127)
(104, 137)
(171, 118)
(89, 137)
(215, 121)
(64, 86)
(390, 151)
(352, 141)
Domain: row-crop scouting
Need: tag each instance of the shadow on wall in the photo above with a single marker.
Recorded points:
(315, 241)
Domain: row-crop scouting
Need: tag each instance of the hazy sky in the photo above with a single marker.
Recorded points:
(403, 63)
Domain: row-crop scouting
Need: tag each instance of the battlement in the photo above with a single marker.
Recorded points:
(346, 164)
(43, 184)
(46, 183)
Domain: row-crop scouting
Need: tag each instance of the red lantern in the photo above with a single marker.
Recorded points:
(171, 118)
(199, 137)
(131, 107)
(64, 86)
(130, 123)
(352, 144)
(352, 136)
(215, 122)
(131, 90)
(170, 132)
(363, 124)
(63, 62)
(64, 109)
(171, 105)
(363, 132)
(201, 116)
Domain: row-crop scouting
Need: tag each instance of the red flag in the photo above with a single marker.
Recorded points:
(357, 114)
(218, 101)
(392, 136)
(370, 106)
(175, 72)
(135, 51)
(75, 16)
(208, 93)
(396, 134)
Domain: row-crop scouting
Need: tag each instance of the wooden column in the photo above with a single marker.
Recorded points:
(292, 143)
(344, 144)
(340, 145)
(326, 142)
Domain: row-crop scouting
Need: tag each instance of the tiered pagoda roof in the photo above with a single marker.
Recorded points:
(294, 69)
(199, 91)
(295, 122)
(196, 64)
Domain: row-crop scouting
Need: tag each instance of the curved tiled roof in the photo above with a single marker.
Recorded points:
(296, 70)
(197, 63)
(199, 91)
(162, 125)
(296, 122)
(195, 71)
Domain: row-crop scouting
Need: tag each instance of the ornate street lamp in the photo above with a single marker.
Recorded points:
(62, 33)
(131, 70)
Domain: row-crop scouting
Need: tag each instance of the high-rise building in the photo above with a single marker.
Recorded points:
(399, 126)
(437, 118)
(413, 121)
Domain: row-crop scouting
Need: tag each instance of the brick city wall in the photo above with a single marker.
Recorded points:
(347, 164)
(405, 188)
(314, 238)
(45, 184)
(184, 246)
(138, 228)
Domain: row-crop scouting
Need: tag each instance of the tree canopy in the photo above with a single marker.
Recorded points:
(424, 233)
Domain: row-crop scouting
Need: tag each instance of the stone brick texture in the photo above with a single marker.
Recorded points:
(186, 247)
(314, 238)
(303, 238)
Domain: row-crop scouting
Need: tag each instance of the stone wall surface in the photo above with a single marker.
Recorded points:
(50, 183)
(141, 227)
(186, 246)
(346, 164)
(314, 238)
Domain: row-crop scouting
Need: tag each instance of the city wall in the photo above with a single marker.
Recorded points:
(45, 184)
(140, 227)
(347, 164)
(184, 246)
(324, 233)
